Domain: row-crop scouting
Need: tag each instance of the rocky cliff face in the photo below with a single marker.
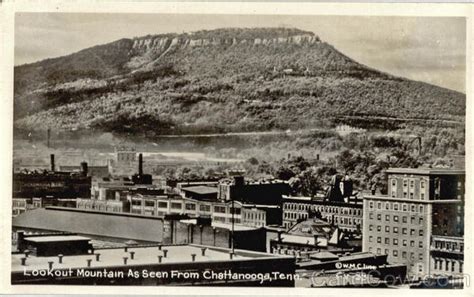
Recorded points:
(152, 48)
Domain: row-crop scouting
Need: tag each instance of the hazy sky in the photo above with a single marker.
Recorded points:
(427, 49)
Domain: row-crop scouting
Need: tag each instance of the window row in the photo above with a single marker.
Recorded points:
(448, 265)
(396, 230)
(323, 208)
(396, 253)
(396, 206)
(395, 241)
(396, 218)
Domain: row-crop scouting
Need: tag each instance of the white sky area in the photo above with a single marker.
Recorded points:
(429, 49)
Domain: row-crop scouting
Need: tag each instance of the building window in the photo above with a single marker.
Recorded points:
(404, 230)
(422, 184)
(379, 228)
(395, 218)
(405, 207)
(412, 183)
(386, 252)
(412, 243)
(420, 244)
(175, 205)
(420, 221)
(395, 253)
(387, 229)
(395, 206)
(421, 208)
(395, 241)
(387, 218)
(237, 211)
(413, 208)
(404, 255)
(371, 227)
(395, 230)
(379, 205)
(421, 232)
(387, 240)
(379, 239)
(404, 219)
(371, 204)
(219, 209)
(379, 217)
(412, 232)
(149, 203)
(411, 195)
(420, 257)
(422, 195)
(405, 183)
(190, 206)
(379, 251)
(394, 182)
(412, 220)
(404, 242)
(370, 238)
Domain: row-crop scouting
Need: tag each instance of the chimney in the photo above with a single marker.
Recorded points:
(140, 164)
(52, 163)
(20, 240)
(84, 168)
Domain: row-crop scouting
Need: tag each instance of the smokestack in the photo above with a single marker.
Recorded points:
(52, 163)
(84, 168)
(140, 164)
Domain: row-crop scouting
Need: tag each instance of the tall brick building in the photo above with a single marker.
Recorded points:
(422, 206)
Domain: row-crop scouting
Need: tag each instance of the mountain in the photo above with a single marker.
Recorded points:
(218, 80)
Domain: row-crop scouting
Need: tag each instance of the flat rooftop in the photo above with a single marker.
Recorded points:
(143, 255)
(202, 190)
(56, 238)
(426, 171)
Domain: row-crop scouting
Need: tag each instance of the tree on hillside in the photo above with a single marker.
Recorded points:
(307, 183)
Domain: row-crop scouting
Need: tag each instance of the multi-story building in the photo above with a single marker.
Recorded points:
(261, 215)
(103, 205)
(125, 155)
(94, 171)
(421, 205)
(346, 216)
(59, 184)
(446, 255)
(262, 192)
(219, 211)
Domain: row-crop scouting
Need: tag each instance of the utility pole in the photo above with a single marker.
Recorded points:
(232, 238)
